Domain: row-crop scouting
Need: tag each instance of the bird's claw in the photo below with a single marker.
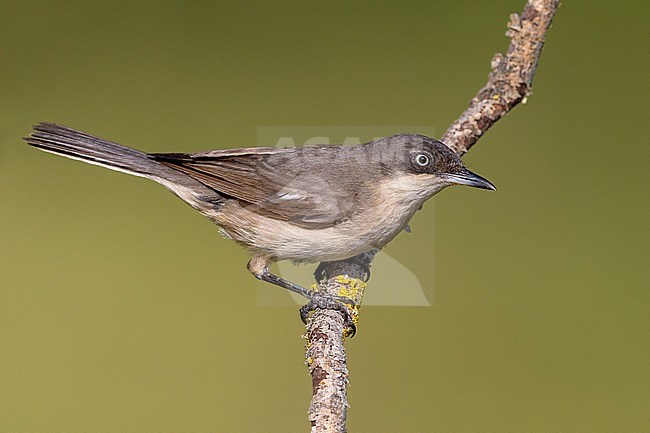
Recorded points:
(331, 303)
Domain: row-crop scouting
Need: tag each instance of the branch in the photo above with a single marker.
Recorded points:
(511, 78)
(325, 354)
(509, 83)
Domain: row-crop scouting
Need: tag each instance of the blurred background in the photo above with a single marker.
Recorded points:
(122, 309)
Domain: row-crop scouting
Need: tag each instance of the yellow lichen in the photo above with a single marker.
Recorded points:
(352, 289)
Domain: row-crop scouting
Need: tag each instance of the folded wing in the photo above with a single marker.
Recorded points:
(280, 183)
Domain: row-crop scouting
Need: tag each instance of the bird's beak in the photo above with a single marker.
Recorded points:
(466, 177)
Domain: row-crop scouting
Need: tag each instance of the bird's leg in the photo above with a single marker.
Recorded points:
(258, 266)
(316, 300)
(267, 276)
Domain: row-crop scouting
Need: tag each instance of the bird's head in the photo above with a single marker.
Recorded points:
(421, 166)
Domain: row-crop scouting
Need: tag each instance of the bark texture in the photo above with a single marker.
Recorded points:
(511, 79)
(509, 83)
(325, 354)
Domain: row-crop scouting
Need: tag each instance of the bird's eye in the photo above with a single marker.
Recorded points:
(422, 159)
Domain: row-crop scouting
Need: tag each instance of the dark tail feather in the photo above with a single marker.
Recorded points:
(75, 144)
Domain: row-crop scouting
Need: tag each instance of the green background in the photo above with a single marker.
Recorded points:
(122, 310)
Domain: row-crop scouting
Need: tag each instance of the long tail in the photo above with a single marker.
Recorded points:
(74, 144)
(79, 145)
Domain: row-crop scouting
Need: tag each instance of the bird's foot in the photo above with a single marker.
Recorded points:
(339, 303)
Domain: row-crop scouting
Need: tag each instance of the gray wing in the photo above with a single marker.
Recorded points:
(282, 183)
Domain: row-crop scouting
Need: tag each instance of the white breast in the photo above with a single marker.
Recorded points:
(394, 204)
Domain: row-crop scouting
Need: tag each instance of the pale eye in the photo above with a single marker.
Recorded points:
(422, 159)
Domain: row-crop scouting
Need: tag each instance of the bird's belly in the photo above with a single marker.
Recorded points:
(286, 241)
(319, 247)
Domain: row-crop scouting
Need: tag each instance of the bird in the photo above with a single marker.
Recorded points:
(305, 204)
